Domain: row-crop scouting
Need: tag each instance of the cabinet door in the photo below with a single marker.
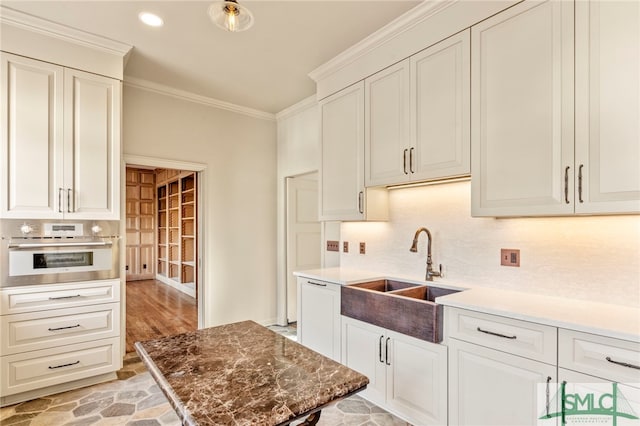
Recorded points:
(92, 146)
(387, 132)
(608, 106)
(146, 262)
(319, 317)
(31, 138)
(417, 379)
(488, 387)
(584, 392)
(440, 100)
(342, 153)
(522, 111)
(133, 263)
(363, 349)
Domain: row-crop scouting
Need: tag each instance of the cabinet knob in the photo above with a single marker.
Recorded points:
(26, 229)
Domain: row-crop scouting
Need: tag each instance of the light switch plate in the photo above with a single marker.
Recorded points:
(363, 248)
(345, 246)
(510, 257)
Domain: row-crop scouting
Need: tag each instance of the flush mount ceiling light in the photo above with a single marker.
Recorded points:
(151, 19)
(230, 16)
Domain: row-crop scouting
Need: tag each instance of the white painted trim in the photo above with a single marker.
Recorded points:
(150, 86)
(396, 27)
(298, 107)
(140, 160)
(32, 23)
(171, 283)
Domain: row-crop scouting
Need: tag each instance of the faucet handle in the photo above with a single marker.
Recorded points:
(440, 272)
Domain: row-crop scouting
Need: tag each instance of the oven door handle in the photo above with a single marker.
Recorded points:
(44, 245)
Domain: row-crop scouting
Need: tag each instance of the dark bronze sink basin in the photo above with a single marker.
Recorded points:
(384, 285)
(395, 305)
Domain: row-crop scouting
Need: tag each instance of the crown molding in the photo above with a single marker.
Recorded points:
(150, 86)
(404, 22)
(32, 23)
(306, 103)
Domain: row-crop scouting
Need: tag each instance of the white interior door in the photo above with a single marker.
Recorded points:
(303, 233)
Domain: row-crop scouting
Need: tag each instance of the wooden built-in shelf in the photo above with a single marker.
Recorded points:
(177, 237)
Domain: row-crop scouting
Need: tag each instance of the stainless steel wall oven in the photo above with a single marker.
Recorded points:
(49, 252)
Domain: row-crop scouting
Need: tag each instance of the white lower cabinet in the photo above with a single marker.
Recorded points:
(319, 316)
(499, 369)
(40, 369)
(58, 337)
(407, 376)
(492, 388)
(605, 357)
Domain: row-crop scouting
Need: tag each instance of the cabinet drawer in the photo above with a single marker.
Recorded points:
(530, 340)
(47, 329)
(17, 300)
(38, 369)
(600, 356)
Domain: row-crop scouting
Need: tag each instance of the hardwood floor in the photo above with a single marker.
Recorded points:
(155, 310)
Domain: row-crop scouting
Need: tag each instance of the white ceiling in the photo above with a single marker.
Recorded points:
(264, 68)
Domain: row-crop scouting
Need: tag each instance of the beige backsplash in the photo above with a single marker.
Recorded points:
(591, 258)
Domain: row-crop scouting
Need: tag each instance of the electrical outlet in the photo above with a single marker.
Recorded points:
(345, 246)
(510, 257)
(333, 245)
(363, 248)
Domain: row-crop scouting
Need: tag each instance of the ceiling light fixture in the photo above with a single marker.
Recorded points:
(230, 16)
(151, 19)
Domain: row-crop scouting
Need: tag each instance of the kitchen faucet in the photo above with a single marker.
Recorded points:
(414, 248)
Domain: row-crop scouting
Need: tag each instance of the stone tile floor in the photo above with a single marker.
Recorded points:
(135, 400)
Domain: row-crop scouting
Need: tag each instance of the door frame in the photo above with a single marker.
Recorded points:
(287, 183)
(155, 162)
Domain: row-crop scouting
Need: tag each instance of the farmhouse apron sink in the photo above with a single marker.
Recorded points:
(396, 305)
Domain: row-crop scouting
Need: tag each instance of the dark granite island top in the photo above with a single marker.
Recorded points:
(244, 374)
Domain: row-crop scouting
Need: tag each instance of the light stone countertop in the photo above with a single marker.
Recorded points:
(622, 322)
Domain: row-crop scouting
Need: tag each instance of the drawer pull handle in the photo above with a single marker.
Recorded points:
(318, 284)
(404, 166)
(64, 328)
(64, 365)
(496, 334)
(547, 395)
(566, 185)
(624, 364)
(65, 297)
(386, 351)
(411, 160)
(380, 349)
(563, 395)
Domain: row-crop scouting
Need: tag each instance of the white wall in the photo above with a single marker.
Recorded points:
(589, 258)
(239, 194)
(298, 154)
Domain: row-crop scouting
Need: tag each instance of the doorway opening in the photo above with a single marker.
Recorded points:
(161, 255)
(303, 243)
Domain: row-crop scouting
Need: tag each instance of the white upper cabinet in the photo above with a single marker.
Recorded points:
(440, 107)
(60, 143)
(522, 111)
(92, 145)
(387, 95)
(607, 106)
(526, 158)
(31, 138)
(417, 116)
(342, 192)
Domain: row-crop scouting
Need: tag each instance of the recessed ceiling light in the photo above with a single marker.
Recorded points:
(151, 19)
